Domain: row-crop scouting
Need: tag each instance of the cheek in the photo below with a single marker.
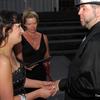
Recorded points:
(21, 30)
(28, 27)
(17, 34)
(18, 37)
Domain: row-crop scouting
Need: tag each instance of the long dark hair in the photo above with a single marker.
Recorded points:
(5, 26)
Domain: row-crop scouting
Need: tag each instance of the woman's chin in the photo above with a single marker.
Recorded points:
(20, 40)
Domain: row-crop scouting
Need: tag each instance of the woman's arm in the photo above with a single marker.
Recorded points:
(6, 84)
(37, 83)
(47, 54)
(43, 93)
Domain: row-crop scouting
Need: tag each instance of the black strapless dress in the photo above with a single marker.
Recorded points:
(19, 77)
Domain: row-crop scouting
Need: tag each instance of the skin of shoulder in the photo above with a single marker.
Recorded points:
(4, 61)
(45, 37)
(6, 87)
(47, 45)
(46, 40)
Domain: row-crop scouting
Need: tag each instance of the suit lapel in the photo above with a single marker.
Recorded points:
(94, 31)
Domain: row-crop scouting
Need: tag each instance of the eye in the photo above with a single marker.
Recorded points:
(84, 8)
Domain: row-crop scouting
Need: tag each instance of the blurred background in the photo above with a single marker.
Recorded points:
(37, 5)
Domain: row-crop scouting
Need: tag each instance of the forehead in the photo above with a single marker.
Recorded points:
(85, 5)
(90, 7)
(33, 19)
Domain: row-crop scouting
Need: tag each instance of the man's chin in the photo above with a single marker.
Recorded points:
(83, 24)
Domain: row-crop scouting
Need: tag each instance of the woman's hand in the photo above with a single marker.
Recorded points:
(46, 92)
(30, 68)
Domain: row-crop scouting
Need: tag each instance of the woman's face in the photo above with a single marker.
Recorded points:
(31, 24)
(15, 33)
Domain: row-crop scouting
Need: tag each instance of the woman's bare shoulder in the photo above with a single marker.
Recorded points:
(4, 60)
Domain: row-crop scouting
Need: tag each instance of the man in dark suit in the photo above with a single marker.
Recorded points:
(83, 82)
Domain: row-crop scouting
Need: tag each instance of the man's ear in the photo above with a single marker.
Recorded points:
(98, 11)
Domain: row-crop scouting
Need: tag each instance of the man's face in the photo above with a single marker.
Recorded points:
(87, 14)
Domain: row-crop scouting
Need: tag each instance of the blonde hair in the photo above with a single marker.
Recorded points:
(29, 14)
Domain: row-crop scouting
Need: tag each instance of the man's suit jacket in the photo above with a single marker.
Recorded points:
(84, 72)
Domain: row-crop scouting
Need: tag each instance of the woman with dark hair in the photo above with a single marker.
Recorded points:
(12, 73)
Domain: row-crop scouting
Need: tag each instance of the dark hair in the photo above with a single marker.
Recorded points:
(1, 30)
(4, 25)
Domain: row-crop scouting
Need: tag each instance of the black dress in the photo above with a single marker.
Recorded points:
(30, 55)
(18, 80)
